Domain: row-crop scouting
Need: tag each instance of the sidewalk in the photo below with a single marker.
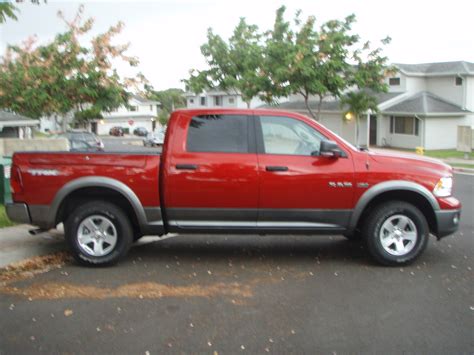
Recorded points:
(17, 244)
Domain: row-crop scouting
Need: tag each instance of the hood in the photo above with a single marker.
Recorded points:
(414, 161)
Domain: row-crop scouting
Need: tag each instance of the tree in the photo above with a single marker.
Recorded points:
(358, 103)
(64, 76)
(233, 66)
(367, 76)
(308, 61)
(169, 99)
(7, 10)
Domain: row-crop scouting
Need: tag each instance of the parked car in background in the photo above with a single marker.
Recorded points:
(140, 131)
(80, 140)
(89, 137)
(116, 131)
(154, 139)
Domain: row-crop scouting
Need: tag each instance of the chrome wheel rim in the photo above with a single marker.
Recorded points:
(97, 235)
(398, 235)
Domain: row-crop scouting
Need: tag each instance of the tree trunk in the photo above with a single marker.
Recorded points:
(248, 104)
(306, 102)
(320, 104)
(357, 130)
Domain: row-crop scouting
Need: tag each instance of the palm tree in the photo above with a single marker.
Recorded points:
(358, 103)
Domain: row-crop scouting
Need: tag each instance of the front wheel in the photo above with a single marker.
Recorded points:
(396, 233)
(99, 233)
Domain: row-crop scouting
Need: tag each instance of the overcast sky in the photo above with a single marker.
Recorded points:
(166, 35)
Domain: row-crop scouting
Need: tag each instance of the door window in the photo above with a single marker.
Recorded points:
(218, 133)
(284, 135)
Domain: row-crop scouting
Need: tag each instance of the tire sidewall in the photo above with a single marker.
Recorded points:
(378, 219)
(120, 222)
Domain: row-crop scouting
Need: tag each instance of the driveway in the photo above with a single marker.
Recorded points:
(246, 294)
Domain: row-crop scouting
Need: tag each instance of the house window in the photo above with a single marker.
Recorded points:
(217, 100)
(191, 101)
(458, 81)
(404, 125)
(133, 108)
(203, 101)
(231, 100)
(151, 107)
(394, 81)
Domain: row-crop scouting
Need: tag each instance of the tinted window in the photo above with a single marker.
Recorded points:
(284, 135)
(218, 133)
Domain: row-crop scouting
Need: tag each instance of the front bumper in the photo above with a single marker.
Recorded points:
(447, 222)
(18, 212)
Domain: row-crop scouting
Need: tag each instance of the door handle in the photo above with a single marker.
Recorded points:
(186, 166)
(276, 168)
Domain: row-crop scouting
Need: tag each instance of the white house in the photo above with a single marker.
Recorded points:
(218, 98)
(424, 106)
(140, 113)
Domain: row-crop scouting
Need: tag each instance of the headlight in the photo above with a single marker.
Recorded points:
(444, 187)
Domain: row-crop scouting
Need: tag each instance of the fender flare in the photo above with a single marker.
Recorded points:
(98, 181)
(392, 185)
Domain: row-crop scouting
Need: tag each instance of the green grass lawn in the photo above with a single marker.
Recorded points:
(469, 166)
(4, 221)
(447, 153)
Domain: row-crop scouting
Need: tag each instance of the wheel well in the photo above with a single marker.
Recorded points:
(87, 194)
(412, 197)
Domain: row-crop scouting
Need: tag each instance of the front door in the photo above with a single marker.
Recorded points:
(212, 178)
(373, 130)
(299, 189)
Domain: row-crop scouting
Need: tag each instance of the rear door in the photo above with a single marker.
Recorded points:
(299, 189)
(212, 176)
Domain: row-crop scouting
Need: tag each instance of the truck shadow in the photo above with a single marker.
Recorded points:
(244, 247)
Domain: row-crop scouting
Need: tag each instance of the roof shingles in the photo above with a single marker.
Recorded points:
(425, 103)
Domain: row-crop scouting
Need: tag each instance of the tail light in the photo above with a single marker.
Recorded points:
(16, 182)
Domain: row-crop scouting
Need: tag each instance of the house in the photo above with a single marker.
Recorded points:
(423, 108)
(16, 126)
(218, 98)
(140, 112)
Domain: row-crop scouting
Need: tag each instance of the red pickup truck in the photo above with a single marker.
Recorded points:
(237, 171)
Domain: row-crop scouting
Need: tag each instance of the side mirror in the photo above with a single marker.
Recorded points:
(330, 149)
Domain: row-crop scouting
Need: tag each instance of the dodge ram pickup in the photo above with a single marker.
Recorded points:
(237, 171)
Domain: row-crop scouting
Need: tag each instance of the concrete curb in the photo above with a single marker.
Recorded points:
(16, 244)
(463, 170)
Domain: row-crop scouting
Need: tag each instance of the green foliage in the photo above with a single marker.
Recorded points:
(4, 220)
(7, 10)
(358, 103)
(235, 65)
(64, 75)
(169, 99)
(302, 58)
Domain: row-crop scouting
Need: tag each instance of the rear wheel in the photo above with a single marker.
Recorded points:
(99, 233)
(396, 233)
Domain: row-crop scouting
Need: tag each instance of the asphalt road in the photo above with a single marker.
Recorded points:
(250, 294)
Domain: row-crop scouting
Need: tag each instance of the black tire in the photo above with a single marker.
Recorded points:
(119, 227)
(383, 217)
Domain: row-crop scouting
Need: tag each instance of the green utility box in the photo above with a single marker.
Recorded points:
(5, 171)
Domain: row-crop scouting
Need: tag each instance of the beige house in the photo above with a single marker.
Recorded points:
(424, 106)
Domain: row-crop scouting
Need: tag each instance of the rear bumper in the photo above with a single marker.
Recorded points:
(447, 222)
(18, 212)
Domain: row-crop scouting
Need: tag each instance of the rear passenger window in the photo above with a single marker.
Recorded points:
(218, 133)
